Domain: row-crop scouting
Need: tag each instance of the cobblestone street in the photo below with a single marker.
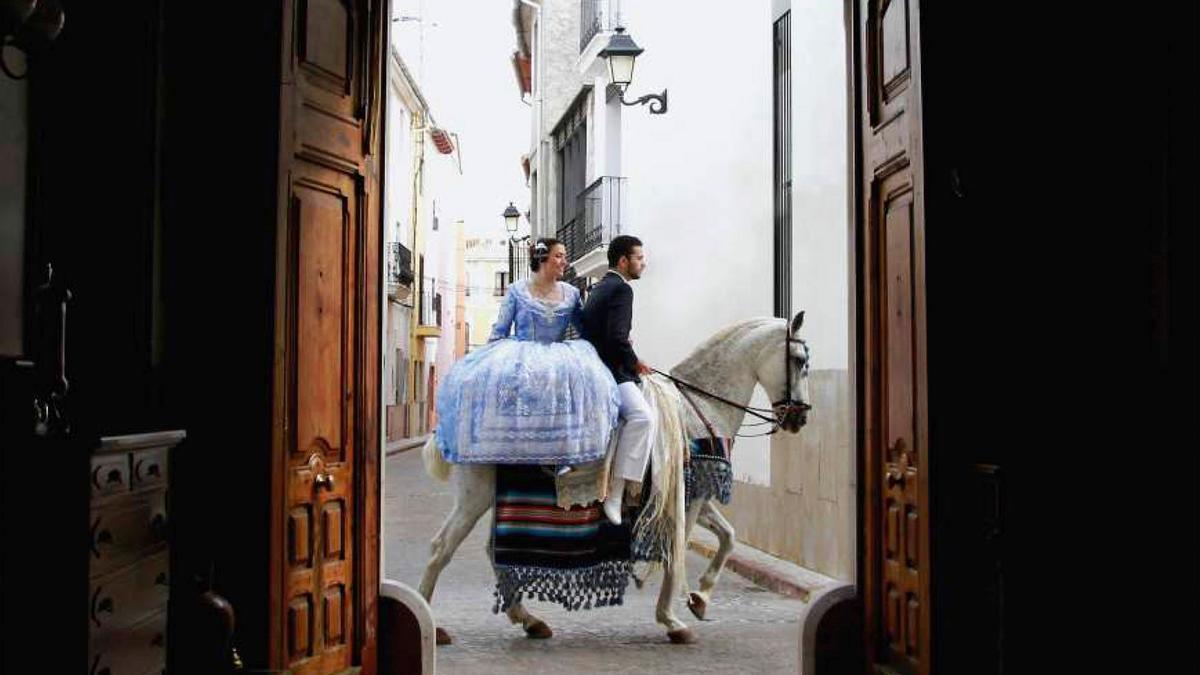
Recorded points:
(749, 629)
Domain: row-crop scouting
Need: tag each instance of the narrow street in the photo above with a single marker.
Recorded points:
(748, 630)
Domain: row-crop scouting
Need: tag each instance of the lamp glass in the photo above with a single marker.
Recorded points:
(620, 69)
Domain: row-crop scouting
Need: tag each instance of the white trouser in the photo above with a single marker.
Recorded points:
(636, 434)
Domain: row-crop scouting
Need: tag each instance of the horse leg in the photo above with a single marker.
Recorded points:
(677, 631)
(476, 488)
(534, 627)
(694, 602)
(714, 522)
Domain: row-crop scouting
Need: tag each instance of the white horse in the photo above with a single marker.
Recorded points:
(762, 352)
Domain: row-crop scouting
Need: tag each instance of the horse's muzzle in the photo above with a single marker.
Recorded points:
(792, 416)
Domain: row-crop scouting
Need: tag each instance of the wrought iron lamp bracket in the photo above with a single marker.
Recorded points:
(658, 102)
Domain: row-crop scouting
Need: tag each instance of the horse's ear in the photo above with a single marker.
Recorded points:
(797, 322)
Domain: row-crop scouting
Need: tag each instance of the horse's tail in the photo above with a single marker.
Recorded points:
(435, 465)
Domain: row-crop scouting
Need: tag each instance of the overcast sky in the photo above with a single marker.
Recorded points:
(461, 54)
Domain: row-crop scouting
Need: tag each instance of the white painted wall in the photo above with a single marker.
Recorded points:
(700, 181)
(822, 255)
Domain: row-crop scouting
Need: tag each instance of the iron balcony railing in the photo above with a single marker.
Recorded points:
(599, 216)
(399, 264)
(430, 313)
(518, 260)
(597, 16)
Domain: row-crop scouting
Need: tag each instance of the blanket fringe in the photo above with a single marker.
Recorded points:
(600, 585)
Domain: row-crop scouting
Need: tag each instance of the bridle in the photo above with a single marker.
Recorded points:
(779, 410)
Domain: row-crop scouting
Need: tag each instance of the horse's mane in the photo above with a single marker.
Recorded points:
(723, 335)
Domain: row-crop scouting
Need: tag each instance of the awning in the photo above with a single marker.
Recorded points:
(442, 141)
(523, 69)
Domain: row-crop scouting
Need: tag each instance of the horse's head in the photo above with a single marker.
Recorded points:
(783, 372)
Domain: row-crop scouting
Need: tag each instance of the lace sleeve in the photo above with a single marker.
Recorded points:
(576, 318)
(504, 320)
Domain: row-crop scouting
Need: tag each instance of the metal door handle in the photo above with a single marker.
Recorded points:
(323, 480)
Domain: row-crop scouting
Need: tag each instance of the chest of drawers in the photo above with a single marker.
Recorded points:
(128, 571)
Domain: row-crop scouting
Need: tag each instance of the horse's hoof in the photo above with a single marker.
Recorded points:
(443, 638)
(539, 631)
(683, 636)
(697, 604)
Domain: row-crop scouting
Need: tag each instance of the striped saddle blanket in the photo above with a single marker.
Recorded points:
(573, 557)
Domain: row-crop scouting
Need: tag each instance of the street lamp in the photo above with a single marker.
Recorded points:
(511, 217)
(621, 53)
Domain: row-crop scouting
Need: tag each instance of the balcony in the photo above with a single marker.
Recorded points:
(518, 260)
(429, 309)
(599, 216)
(399, 271)
(597, 17)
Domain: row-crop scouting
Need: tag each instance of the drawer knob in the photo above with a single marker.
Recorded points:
(114, 476)
(158, 525)
(148, 467)
(100, 605)
(103, 537)
(161, 579)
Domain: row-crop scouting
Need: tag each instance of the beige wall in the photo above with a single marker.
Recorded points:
(807, 513)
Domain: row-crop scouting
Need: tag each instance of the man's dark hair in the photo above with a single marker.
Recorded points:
(621, 247)
(536, 256)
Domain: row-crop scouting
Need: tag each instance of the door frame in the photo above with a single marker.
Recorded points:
(368, 410)
(868, 360)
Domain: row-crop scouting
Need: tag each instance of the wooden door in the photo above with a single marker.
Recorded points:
(325, 553)
(897, 570)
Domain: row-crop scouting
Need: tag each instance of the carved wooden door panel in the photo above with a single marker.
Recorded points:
(897, 583)
(327, 352)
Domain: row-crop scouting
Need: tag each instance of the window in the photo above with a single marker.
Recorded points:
(782, 113)
(572, 161)
(501, 283)
(570, 144)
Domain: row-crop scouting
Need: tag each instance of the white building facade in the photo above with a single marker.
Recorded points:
(420, 256)
(739, 193)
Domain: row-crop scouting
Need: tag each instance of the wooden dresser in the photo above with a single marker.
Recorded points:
(129, 560)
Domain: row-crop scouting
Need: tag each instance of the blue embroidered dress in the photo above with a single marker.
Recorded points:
(532, 398)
